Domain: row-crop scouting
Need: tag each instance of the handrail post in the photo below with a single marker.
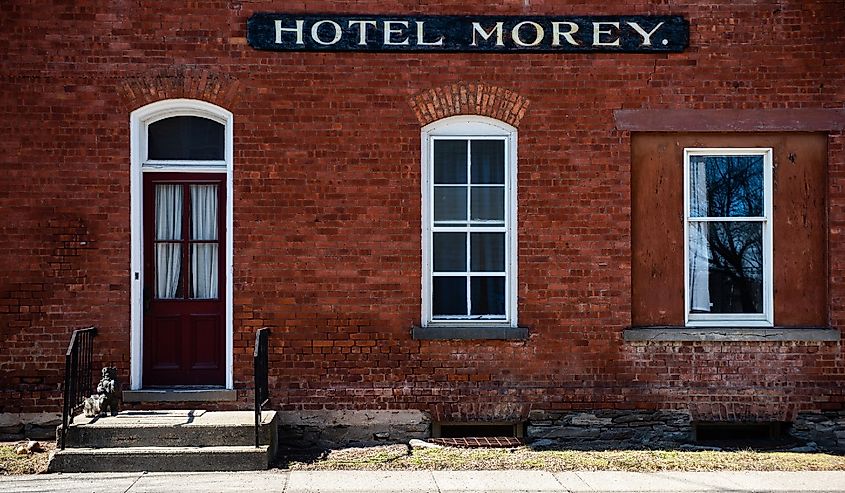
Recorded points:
(260, 369)
(77, 384)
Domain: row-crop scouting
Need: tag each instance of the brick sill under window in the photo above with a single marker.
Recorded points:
(468, 332)
(731, 334)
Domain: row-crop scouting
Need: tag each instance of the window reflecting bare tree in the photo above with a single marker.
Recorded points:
(726, 254)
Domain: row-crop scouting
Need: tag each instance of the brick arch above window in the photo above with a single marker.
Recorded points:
(469, 99)
(181, 83)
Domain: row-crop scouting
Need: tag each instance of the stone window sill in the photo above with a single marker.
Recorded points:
(731, 334)
(455, 332)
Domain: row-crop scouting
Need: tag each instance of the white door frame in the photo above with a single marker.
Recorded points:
(138, 122)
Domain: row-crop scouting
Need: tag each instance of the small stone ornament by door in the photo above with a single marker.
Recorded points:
(104, 402)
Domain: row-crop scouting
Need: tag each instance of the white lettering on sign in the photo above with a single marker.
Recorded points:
(298, 30)
(477, 29)
(645, 34)
(316, 36)
(460, 33)
(539, 33)
(421, 36)
(362, 30)
(389, 31)
(598, 30)
(557, 33)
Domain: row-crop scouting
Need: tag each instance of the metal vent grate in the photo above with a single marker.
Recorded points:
(473, 442)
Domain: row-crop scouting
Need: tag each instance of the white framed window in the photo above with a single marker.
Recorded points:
(469, 222)
(728, 237)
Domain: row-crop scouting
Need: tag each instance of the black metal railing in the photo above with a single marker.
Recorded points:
(79, 378)
(260, 365)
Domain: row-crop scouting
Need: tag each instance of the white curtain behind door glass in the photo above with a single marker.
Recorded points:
(699, 248)
(168, 227)
(204, 255)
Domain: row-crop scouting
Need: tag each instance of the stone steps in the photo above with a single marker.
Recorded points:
(174, 440)
(137, 459)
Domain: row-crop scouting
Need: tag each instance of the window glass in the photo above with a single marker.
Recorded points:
(488, 161)
(488, 204)
(186, 138)
(726, 267)
(726, 186)
(488, 295)
(450, 204)
(449, 296)
(450, 252)
(487, 251)
(450, 161)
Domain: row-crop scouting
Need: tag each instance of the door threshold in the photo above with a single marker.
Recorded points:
(181, 394)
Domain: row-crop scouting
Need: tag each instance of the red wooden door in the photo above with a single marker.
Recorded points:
(184, 279)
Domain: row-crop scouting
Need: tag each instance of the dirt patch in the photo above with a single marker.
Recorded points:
(403, 458)
(34, 463)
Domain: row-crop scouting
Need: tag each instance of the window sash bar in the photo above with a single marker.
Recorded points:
(460, 228)
(713, 219)
(471, 273)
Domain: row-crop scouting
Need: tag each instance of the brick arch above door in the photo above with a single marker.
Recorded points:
(181, 82)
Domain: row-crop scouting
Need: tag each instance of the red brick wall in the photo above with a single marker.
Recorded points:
(327, 202)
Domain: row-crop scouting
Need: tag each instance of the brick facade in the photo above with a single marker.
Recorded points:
(327, 203)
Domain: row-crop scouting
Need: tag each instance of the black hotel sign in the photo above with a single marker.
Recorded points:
(448, 33)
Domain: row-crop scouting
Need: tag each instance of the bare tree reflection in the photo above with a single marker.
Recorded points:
(729, 187)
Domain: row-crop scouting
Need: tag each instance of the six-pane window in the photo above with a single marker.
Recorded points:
(728, 235)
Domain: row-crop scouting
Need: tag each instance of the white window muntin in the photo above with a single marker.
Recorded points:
(766, 318)
(470, 128)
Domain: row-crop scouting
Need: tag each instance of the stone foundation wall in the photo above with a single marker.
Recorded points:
(32, 426)
(611, 428)
(309, 429)
(826, 429)
(587, 430)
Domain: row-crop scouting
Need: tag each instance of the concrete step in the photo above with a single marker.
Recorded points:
(172, 428)
(137, 459)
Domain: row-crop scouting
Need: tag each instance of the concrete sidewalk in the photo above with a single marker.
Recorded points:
(430, 481)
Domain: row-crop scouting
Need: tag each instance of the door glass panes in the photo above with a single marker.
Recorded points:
(187, 234)
(168, 245)
(726, 186)
(204, 245)
(469, 228)
(185, 138)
